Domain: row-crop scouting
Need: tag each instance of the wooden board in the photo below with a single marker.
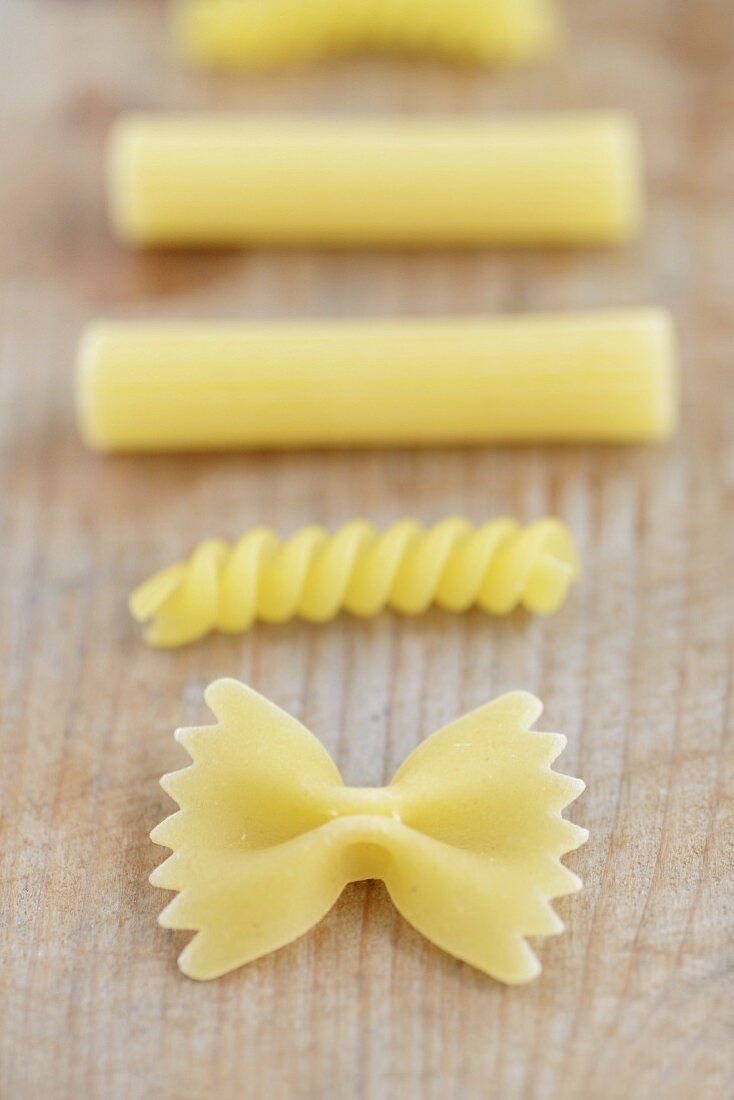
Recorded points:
(636, 999)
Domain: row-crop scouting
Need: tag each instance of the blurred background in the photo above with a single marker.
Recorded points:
(636, 998)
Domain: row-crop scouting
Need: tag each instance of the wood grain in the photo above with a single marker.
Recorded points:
(636, 999)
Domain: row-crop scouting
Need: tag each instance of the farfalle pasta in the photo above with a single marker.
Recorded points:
(468, 837)
(263, 33)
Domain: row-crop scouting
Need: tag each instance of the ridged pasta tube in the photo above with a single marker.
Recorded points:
(581, 377)
(497, 567)
(263, 33)
(566, 179)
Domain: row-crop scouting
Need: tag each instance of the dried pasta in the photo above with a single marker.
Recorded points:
(263, 33)
(314, 575)
(188, 180)
(606, 377)
(468, 837)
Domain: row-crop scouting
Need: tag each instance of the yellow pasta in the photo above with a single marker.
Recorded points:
(240, 180)
(175, 386)
(262, 33)
(468, 837)
(497, 567)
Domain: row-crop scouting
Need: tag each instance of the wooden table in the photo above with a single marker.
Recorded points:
(636, 999)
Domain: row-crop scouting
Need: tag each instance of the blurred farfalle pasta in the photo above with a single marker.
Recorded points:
(314, 575)
(564, 179)
(264, 33)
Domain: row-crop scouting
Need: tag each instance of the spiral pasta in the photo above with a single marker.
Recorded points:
(313, 575)
(262, 33)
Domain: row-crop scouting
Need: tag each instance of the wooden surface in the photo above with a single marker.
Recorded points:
(636, 999)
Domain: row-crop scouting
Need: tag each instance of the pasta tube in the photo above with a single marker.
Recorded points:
(237, 180)
(150, 387)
